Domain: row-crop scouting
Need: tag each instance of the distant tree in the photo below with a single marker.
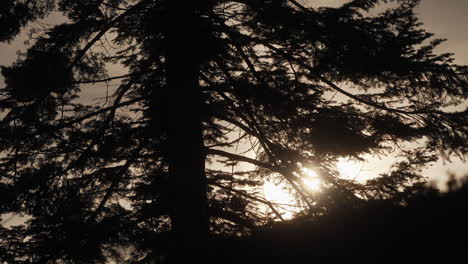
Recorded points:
(203, 77)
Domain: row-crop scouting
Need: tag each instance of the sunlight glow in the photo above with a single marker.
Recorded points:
(312, 184)
(311, 180)
(349, 169)
(309, 172)
(281, 197)
(278, 195)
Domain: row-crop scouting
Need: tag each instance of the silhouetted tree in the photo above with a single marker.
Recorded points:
(203, 77)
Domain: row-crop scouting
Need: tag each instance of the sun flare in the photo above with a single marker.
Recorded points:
(277, 193)
(312, 184)
(311, 180)
(282, 197)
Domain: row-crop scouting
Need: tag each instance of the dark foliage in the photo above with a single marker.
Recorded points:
(16, 14)
(139, 172)
(430, 225)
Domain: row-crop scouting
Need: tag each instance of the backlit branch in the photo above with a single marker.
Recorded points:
(251, 197)
(115, 182)
(285, 173)
(105, 79)
(103, 31)
(237, 35)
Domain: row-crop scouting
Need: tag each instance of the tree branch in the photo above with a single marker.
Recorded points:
(265, 144)
(281, 171)
(115, 182)
(106, 27)
(105, 80)
(235, 34)
(100, 111)
(268, 203)
(242, 158)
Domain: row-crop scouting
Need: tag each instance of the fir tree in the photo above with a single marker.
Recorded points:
(130, 172)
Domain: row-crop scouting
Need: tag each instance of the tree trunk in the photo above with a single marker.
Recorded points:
(184, 131)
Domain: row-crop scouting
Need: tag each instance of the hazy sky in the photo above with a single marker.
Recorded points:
(446, 18)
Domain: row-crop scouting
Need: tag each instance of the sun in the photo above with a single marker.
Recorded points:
(285, 202)
(278, 193)
(311, 180)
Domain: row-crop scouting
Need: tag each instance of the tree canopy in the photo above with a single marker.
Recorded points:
(202, 78)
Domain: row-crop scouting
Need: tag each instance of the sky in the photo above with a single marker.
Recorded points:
(445, 18)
